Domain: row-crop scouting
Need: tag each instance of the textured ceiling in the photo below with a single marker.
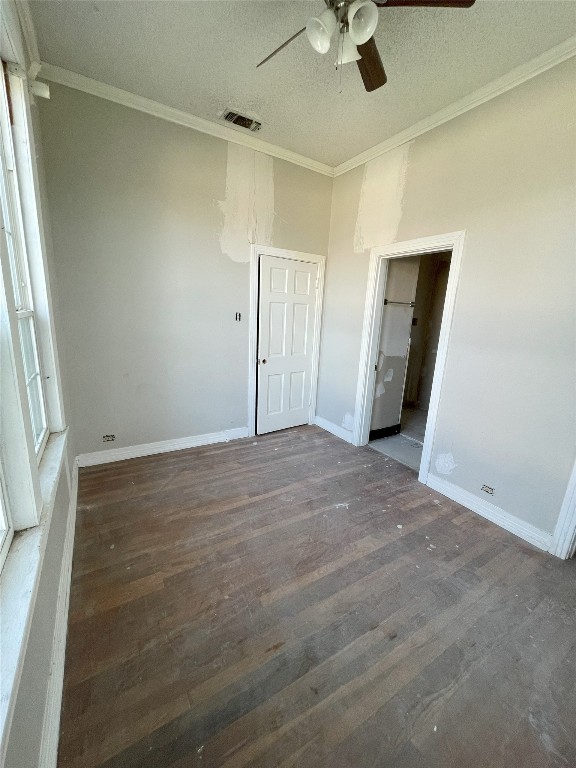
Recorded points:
(201, 57)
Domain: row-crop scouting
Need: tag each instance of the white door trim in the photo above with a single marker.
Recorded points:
(255, 253)
(564, 537)
(378, 268)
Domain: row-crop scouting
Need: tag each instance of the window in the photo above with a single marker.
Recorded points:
(30, 400)
(20, 274)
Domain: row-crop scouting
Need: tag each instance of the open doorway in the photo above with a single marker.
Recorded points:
(381, 259)
(412, 309)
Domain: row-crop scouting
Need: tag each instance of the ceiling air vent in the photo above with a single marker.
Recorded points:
(242, 120)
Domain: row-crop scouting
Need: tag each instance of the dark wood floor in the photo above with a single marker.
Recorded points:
(293, 601)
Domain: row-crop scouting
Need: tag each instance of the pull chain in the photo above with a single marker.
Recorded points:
(340, 56)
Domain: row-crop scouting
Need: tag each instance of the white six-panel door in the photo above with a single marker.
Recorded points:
(286, 328)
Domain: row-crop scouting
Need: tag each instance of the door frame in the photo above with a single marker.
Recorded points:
(377, 273)
(564, 536)
(265, 250)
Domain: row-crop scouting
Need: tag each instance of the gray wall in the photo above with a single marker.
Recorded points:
(428, 308)
(503, 172)
(424, 291)
(150, 348)
(434, 325)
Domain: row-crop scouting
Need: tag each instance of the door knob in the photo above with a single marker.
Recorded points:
(264, 361)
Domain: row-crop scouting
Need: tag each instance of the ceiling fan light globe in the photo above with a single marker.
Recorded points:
(319, 30)
(362, 21)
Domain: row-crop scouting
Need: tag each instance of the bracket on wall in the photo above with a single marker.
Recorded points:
(403, 303)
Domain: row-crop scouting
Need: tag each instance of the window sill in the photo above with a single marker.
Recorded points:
(19, 583)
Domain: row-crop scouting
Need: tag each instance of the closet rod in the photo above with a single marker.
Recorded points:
(404, 303)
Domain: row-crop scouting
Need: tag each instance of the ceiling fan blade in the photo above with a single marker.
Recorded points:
(280, 47)
(426, 3)
(370, 66)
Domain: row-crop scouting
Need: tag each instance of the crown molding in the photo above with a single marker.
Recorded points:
(515, 77)
(12, 43)
(30, 39)
(95, 88)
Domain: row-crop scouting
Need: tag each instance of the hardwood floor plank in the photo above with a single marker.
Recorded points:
(291, 600)
(351, 704)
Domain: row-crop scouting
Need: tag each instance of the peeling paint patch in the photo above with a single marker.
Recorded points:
(263, 208)
(445, 463)
(381, 198)
(348, 422)
(249, 205)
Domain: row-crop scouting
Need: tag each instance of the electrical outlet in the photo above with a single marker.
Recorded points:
(108, 438)
(487, 489)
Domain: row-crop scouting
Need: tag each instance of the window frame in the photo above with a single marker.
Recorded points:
(18, 253)
(33, 378)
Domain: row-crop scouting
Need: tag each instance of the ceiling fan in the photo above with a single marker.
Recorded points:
(356, 22)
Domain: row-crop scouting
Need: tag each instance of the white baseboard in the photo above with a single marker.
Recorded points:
(526, 531)
(334, 429)
(163, 446)
(48, 755)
